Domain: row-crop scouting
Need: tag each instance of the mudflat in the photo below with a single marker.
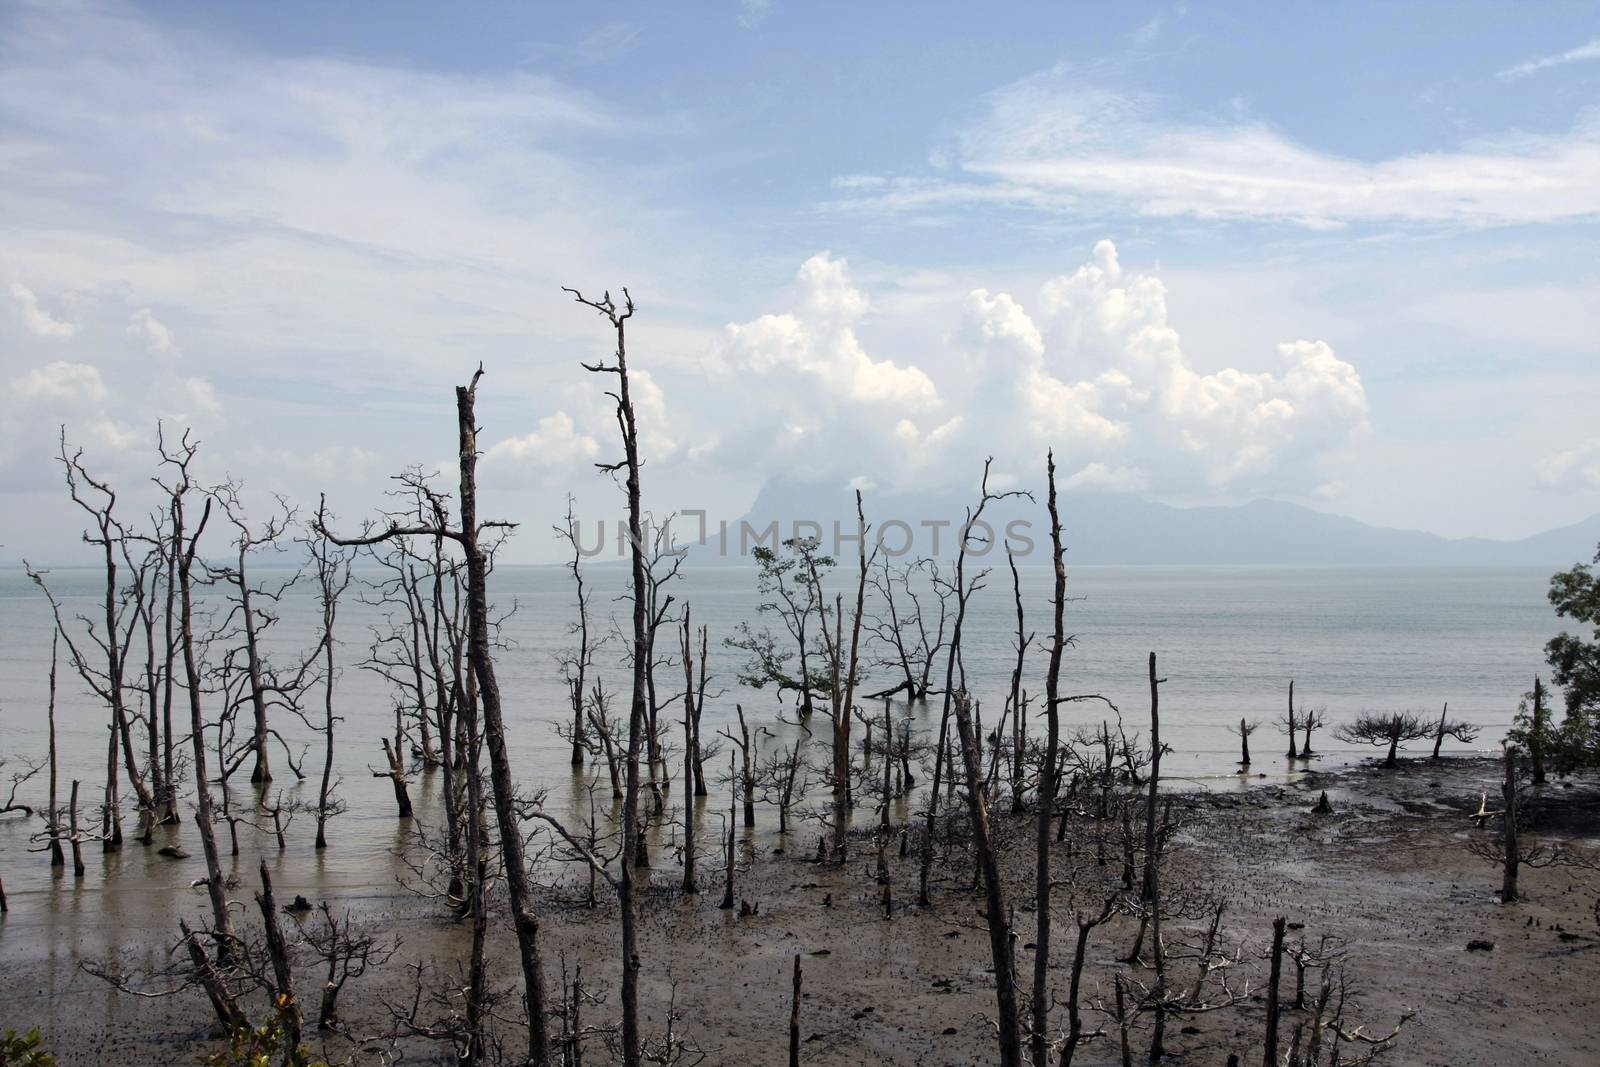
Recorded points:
(1388, 874)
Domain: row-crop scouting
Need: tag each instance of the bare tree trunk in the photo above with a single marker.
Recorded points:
(512, 849)
(1292, 752)
(690, 745)
(222, 922)
(1271, 1048)
(72, 829)
(1438, 735)
(699, 706)
(727, 885)
(1536, 738)
(395, 757)
(794, 1017)
(885, 892)
(995, 912)
(1513, 852)
(1040, 1001)
(1152, 869)
(283, 979)
(171, 816)
(111, 815)
(56, 858)
(631, 1042)
(222, 1001)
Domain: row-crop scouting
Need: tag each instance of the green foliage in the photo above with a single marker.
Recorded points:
(22, 1050)
(258, 1047)
(1575, 666)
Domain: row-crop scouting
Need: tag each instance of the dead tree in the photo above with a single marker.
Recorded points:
(332, 570)
(112, 637)
(1016, 702)
(1311, 719)
(1392, 728)
(575, 663)
(1046, 793)
(1075, 1031)
(73, 837)
(842, 675)
(468, 536)
(289, 1010)
(782, 781)
(1287, 722)
(794, 1016)
(347, 950)
(996, 916)
(1536, 733)
(690, 744)
(1465, 732)
(1243, 732)
(53, 819)
(1509, 843)
(727, 885)
(251, 609)
(178, 488)
(1270, 1046)
(618, 316)
(396, 773)
(910, 612)
(963, 590)
(605, 732)
(742, 782)
(1152, 867)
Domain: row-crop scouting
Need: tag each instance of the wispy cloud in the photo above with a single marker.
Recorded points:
(1052, 145)
(1583, 52)
(753, 13)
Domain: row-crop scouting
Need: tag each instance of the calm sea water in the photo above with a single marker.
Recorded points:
(1229, 639)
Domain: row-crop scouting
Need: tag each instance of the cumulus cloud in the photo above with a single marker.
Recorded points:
(1576, 468)
(1150, 406)
(1052, 144)
(817, 344)
(36, 318)
(149, 330)
(1092, 367)
(546, 455)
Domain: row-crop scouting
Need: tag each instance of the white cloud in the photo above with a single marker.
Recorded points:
(1093, 367)
(152, 332)
(1588, 51)
(1052, 145)
(60, 381)
(818, 345)
(38, 320)
(1100, 476)
(547, 455)
(1576, 468)
(1103, 376)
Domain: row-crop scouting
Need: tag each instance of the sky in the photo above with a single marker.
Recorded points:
(1208, 252)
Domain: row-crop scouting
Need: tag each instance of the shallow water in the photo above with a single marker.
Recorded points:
(1228, 639)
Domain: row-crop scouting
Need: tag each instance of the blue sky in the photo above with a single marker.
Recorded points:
(1340, 256)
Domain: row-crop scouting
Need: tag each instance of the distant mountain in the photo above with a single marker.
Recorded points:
(1106, 527)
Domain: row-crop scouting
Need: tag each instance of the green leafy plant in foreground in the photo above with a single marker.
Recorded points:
(254, 1047)
(22, 1050)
